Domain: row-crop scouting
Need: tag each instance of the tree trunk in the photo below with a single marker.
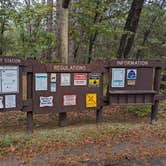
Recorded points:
(131, 25)
(64, 35)
(49, 30)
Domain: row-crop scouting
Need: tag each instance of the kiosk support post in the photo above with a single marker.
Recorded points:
(29, 122)
(154, 108)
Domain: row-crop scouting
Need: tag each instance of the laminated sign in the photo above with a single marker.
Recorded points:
(9, 79)
(118, 77)
(65, 79)
(69, 100)
(46, 101)
(91, 100)
(80, 79)
(94, 80)
(131, 73)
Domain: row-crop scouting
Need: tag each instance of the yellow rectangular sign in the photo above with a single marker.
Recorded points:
(91, 100)
(94, 82)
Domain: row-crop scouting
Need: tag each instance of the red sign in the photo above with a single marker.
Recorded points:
(80, 79)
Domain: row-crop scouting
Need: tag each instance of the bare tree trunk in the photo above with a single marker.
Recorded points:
(64, 35)
(49, 29)
(58, 28)
(131, 25)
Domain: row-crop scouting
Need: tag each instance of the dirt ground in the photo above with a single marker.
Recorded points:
(124, 139)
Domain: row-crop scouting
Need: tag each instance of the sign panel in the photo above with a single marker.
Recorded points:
(41, 81)
(130, 82)
(1, 102)
(53, 86)
(131, 73)
(10, 101)
(9, 79)
(94, 80)
(91, 100)
(46, 101)
(118, 77)
(53, 77)
(69, 100)
(80, 79)
(65, 79)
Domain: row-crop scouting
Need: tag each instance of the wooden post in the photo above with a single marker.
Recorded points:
(154, 108)
(30, 96)
(29, 122)
(64, 49)
(99, 116)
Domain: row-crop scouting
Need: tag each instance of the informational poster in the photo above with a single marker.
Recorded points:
(94, 80)
(9, 79)
(118, 77)
(91, 100)
(131, 73)
(65, 79)
(10, 101)
(131, 82)
(53, 86)
(1, 102)
(53, 77)
(46, 101)
(69, 100)
(41, 81)
(80, 79)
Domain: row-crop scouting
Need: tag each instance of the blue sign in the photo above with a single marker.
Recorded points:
(131, 74)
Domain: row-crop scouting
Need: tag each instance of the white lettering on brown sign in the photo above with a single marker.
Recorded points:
(132, 63)
(70, 68)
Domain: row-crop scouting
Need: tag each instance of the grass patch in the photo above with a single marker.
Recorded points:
(9, 140)
(59, 135)
(140, 111)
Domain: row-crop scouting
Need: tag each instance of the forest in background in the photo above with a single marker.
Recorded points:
(98, 29)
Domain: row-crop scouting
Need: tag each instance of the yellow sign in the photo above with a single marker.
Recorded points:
(91, 100)
(94, 82)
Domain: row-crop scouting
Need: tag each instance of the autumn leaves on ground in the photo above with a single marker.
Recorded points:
(123, 139)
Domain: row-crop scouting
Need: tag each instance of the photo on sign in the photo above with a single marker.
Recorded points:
(118, 77)
(1, 102)
(94, 80)
(80, 79)
(65, 79)
(131, 73)
(53, 77)
(53, 86)
(9, 79)
(10, 101)
(91, 100)
(46, 101)
(69, 100)
(41, 81)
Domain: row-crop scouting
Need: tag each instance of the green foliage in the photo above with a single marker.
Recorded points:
(9, 140)
(140, 110)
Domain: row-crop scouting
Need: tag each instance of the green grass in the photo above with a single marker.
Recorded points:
(13, 139)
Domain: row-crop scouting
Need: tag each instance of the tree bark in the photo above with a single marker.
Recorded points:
(131, 25)
(49, 30)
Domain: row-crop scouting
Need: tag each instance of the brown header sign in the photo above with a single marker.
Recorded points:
(70, 67)
(131, 62)
(10, 60)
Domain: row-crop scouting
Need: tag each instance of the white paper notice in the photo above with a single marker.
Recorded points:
(69, 100)
(41, 81)
(118, 77)
(53, 77)
(10, 80)
(10, 101)
(65, 79)
(46, 101)
(1, 102)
